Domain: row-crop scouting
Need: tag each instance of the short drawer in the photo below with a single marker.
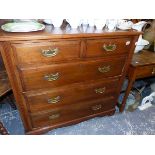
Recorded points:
(58, 75)
(71, 112)
(46, 51)
(44, 100)
(107, 47)
(145, 71)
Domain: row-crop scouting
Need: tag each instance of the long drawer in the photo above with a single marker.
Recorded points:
(44, 100)
(72, 112)
(146, 71)
(46, 51)
(58, 75)
(107, 47)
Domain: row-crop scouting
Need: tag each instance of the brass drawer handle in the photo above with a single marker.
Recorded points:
(128, 43)
(51, 77)
(153, 71)
(96, 107)
(100, 90)
(54, 100)
(110, 47)
(54, 116)
(104, 69)
(50, 52)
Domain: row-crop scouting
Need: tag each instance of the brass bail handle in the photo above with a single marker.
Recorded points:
(96, 107)
(110, 47)
(100, 90)
(54, 100)
(51, 77)
(50, 52)
(54, 116)
(104, 69)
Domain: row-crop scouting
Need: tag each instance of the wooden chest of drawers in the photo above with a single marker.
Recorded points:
(63, 78)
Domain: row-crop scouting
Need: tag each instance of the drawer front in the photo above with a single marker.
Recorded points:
(59, 75)
(107, 47)
(62, 96)
(145, 71)
(46, 52)
(72, 112)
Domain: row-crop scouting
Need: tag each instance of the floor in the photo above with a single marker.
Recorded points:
(126, 123)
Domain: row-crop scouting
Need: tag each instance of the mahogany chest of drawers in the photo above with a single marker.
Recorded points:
(61, 78)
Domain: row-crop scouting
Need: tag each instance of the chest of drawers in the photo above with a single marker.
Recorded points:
(62, 78)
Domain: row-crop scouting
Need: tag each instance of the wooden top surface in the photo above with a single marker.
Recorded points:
(49, 33)
(143, 58)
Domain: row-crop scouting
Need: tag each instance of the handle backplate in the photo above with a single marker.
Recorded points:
(51, 77)
(54, 100)
(100, 90)
(110, 47)
(54, 116)
(104, 69)
(50, 52)
(96, 107)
